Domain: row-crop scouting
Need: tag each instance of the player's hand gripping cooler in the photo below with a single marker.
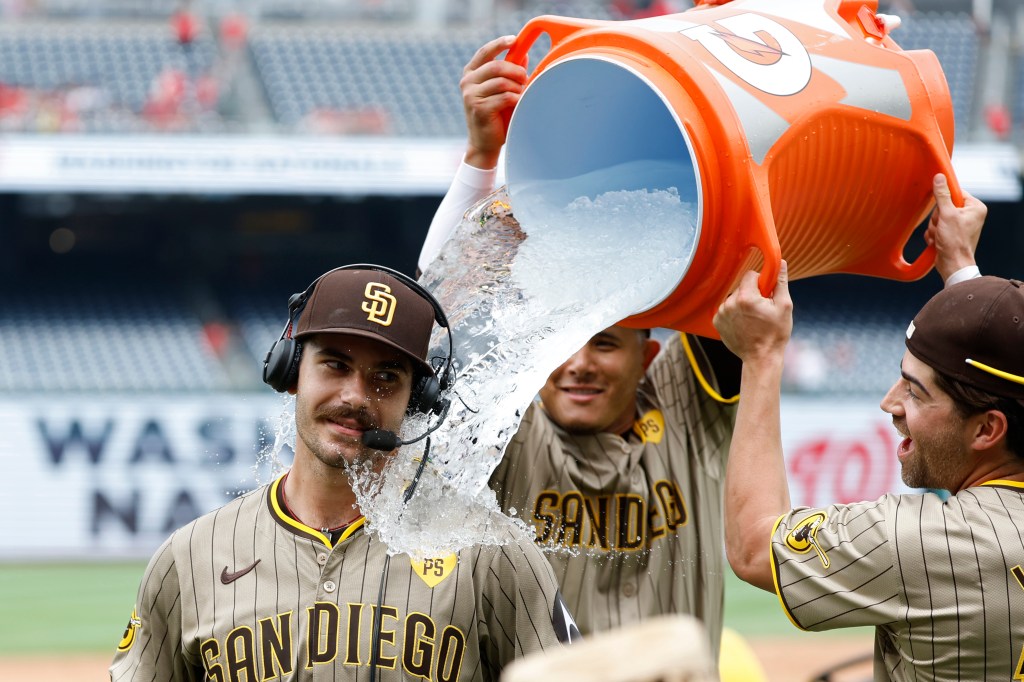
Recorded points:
(798, 129)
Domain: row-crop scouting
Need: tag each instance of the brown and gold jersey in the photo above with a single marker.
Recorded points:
(632, 525)
(941, 581)
(248, 593)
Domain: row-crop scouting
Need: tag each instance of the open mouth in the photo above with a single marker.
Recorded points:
(905, 447)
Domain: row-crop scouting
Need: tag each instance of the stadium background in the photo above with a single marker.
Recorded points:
(170, 172)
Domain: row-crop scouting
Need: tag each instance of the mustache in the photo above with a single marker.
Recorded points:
(901, 426)
(341, 412)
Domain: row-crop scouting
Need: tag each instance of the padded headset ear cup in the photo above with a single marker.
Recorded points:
(425, 394)
(281, 368)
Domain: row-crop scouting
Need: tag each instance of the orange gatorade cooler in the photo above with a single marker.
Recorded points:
(797, 128)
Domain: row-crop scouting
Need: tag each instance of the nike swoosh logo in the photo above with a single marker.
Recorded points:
(228, 578)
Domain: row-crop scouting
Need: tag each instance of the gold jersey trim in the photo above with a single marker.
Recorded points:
(700, 375)
(1003, 483)
(775, 575)
(301, 528)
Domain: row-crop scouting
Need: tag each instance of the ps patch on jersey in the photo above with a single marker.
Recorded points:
(433, 571)
(650, 426)
(128, 638)
(802, 538)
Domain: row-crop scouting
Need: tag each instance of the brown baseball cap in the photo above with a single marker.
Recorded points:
(974, 332)
(373, 304)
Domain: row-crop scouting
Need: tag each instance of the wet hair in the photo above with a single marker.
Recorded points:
(970, 401)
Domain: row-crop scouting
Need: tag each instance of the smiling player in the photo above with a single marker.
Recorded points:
(285, 582)
(941, 581)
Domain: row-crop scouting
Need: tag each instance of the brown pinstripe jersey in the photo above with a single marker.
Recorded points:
(305, 610)
(641, 516)
(942, 582)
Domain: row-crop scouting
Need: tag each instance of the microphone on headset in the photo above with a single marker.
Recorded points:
(382, 439)
(386, 441)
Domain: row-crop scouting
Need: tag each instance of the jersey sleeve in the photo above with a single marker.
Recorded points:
(696, 381)
(150, 648)
(834, 567)
(522, 611)
(469, 186)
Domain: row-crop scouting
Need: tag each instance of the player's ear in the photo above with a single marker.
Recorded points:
(651, 348)
(987, 430)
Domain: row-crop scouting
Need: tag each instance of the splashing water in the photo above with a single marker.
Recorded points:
(276, 456)
(520, 300)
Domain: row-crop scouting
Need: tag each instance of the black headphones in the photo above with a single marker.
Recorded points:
(281, 365)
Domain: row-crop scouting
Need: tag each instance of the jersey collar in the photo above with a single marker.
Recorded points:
(275, 500)
(1001, 483)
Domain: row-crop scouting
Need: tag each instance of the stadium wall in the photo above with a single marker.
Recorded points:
(101, 476)
(309, 165)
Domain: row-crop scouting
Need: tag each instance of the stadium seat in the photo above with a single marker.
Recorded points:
(104, 341)
(954, 40)
(122, 60)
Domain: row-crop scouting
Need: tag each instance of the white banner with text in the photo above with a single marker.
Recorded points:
(228, 164)
(97, 476)
(316, 165)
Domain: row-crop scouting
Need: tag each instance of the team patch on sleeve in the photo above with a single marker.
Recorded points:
(128, 638)
(803, 537)
(433, 571)
(565, 625)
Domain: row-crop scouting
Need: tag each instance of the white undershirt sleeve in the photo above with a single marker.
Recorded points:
(470, 185)
(963, 274)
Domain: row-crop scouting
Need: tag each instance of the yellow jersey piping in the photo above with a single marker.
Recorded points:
(700, 375)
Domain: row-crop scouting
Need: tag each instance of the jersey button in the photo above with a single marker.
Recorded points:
(629, 589)
(321, 558)
(330, 586)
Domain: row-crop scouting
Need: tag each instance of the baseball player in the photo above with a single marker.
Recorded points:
(284, 582)
(620, 470)
(941, 581)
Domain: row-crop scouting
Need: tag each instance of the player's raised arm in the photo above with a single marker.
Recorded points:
(757, 330)
(954, 231)
(490, 90)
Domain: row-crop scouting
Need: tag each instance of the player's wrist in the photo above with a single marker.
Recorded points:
(481, 159)
(763, 365)
(962, 274)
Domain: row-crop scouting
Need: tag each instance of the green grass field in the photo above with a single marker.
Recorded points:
(69, 607)
(84, 607)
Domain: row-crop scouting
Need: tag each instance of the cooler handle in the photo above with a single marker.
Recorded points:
(559, 28)
(899, 268)
(765, 238)
(769, 276)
